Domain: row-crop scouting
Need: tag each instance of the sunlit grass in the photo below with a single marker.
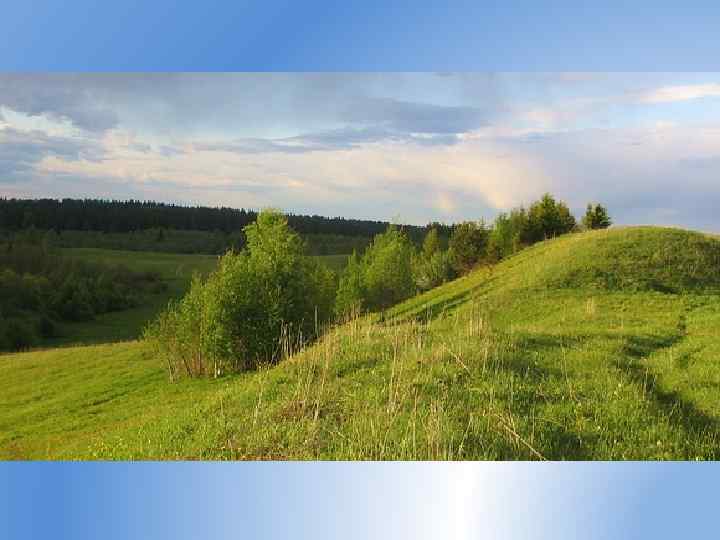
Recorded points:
(541, 357)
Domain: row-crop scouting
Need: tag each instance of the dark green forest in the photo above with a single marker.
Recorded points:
(112, 216)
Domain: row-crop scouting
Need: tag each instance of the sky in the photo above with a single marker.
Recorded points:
(410, 147)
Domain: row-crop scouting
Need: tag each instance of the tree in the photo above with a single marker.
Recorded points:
(468, 245)
(259, 305)
(350, 298)
(431, 243)
(382, 277)
(548, 218)
(504, 237)
(432, 266)
(387, 269)
(596, 217)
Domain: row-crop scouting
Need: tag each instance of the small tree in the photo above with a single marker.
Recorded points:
(387, 269)
(258, 305)
(350, 298)
(432, 266)
(504, 237)
(596, 217)
(468, 245)
(431, 243)
(381, 278)
(548, 218)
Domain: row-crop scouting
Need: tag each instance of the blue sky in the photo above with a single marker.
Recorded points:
(415, 147)
(372, 35)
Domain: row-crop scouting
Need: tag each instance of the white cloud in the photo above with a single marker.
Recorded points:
(669, 94)
(370, 145)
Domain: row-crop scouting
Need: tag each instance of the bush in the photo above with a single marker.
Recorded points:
(381, 278)
(509, 234)
(350, 299)
(468, 245)
(387, 269)
(548, 218)
(596, 217)
(259, 305)
(433, 266)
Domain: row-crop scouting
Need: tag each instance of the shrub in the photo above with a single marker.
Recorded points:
(381, 278)
(433, 271)
(259, 305)
(509, 234)
(433, 266)
(387, 269)
(596, 217)
(468, 245)
(548, 218)
(350, 299)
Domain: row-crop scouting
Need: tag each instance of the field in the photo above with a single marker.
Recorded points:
(599, 345)
(176, 270)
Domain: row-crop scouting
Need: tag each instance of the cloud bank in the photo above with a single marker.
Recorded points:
(417, 147)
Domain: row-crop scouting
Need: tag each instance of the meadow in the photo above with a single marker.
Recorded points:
(598, 345)
(175, 269)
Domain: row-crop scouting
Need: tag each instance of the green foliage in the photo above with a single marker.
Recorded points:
(151, 226)
(387, 269)
(431, 243)
(548, 218)
(381, 278)
(596, 217)
(433, 265)
(468, 245)
(38, 287)
(17, 334)
(433, 271)
(501, 365)
(507, 235)
(259, 304)
(520, 228)
(191, 241)
(350, 299)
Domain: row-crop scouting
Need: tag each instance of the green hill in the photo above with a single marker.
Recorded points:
(600, 345)
(630, 259)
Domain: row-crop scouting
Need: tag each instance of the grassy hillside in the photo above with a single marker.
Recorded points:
(600, 345)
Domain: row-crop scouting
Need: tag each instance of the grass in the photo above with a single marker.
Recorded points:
(594, 346)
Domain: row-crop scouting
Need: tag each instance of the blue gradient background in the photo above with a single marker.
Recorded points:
(372, 35)
(358, 500)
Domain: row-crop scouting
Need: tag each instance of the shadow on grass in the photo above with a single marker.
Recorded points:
(432, 309)
(683, 414)
(554, 440)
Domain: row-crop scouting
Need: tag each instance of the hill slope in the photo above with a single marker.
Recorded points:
(594, 346)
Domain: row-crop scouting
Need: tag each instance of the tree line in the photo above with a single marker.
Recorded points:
(112, 216)
(268, 299)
